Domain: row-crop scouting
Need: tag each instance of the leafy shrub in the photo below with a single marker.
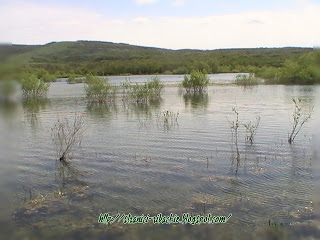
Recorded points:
(196, 83)
(155, 87)
(97, 89)
(298, 71)
(246, 80)
(34, 88)
(43, 75)
(149, 91)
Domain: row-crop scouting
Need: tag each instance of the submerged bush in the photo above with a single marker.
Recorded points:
(66, 135)
(74, 79)
(269, 74)
(235, 124)
(196, 83)
(34, 88)
(251, 129)
(98, 90)
(246, 80)
(168, 119)
(143, 93)
(155, 87)
(299, 119)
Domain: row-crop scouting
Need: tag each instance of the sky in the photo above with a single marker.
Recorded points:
(173, 24)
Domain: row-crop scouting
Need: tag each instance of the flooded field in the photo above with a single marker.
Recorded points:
(131, 161)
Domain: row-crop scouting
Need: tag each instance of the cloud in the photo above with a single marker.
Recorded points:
(141, 20)
(255, 21)
(178, 3)
(33, 24)
(142, 2)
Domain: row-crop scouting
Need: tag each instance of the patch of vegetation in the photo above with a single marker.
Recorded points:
(299, 119)
(246, 80)
(170, 116)
(44, 75)
(196, 82)
(104, 58)
(72, 79)
(66, 135)
(235, 124)
(293, 71)
(144, 93)
(34, 88)
(251, 129)
(274, 224)
(98, 90)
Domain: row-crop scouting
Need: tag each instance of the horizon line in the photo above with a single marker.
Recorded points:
(180, 49)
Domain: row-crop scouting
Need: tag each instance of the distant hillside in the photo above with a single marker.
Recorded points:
(7, 50)
(106, 58)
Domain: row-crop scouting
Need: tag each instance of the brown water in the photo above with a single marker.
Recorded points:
(131, 162)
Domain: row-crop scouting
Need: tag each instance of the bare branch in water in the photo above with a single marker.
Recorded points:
(66, 135)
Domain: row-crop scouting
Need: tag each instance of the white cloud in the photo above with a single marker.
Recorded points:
(34, 24)
(142, 2)
(178, 3)
(141, 20)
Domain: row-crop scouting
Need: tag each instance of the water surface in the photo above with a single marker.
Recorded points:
(130, 161)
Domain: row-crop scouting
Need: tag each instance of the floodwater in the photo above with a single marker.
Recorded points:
(131, 161)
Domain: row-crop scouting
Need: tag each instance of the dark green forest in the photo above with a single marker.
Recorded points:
(65, 59)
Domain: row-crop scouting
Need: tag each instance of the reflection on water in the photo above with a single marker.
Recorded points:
(9, 111)
(132, 160)
(141, 110)
(235, 158)
(102, 111)
(32, 109)
(196, 101)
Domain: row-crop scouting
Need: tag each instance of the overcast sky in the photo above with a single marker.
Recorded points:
(175, 24)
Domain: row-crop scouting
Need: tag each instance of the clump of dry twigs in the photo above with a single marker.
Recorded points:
(67, 134)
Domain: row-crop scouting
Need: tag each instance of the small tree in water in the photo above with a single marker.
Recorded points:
(196, 83)
(299, 119)
(66, 135)
(34, 88)
(98, 90)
